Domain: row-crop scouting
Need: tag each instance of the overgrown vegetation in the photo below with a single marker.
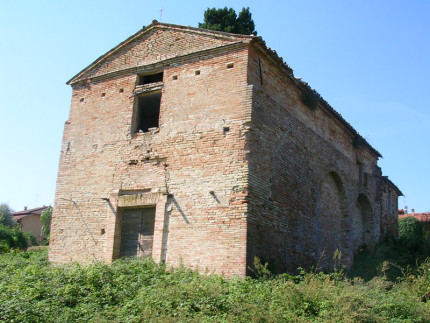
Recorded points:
(395, 258)
(225, 19)
(12, 238)
(310, 98)
(45, 218)
(11, 235)
(6, 218)
(138, 290)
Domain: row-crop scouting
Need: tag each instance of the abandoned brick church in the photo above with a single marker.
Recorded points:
(201, 147)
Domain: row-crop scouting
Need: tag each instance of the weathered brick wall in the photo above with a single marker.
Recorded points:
(238, 167)
(389, 212)
(193, 167)
(159, 44)
(304, 178)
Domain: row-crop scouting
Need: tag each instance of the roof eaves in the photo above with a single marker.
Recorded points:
(36, 210)
(306, 87)
(392, 185)
(100, 58)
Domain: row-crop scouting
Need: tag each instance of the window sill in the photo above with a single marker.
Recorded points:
(150, 132)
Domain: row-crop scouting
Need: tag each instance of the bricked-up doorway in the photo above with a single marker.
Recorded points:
(137, 232)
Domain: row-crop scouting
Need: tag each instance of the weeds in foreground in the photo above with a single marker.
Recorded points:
(138, 290)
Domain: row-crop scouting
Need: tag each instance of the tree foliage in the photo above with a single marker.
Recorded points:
(225, 19)
(411, 230)
(6, 217)
(14, 238)
(45, 218)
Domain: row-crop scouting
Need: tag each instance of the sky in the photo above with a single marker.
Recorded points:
(369, 59)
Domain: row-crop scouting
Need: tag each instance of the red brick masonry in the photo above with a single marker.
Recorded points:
(239, 164)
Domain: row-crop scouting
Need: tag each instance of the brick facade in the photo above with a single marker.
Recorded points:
(237, 165)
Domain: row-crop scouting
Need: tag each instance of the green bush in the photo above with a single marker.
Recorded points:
(393, 258)
(6, 217)
(138, 290)
(411, 230)
(14, 238)
(45, 218)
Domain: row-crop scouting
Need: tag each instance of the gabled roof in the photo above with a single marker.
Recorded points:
(234, 38)
(24, 213)
(157, 25)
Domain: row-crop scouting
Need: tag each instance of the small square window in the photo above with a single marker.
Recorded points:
(151, 78)
(197, 72)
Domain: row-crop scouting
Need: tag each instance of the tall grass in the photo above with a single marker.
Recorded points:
(138, 290)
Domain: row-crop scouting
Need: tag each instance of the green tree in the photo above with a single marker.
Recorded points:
(225, 19)
(411, 230)
(6, 217)
(45, 218)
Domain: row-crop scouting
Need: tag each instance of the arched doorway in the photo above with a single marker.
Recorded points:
(363, 223)
(333, 224)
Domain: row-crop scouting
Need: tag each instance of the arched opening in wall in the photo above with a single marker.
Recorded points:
(333, 223)
(363, 224)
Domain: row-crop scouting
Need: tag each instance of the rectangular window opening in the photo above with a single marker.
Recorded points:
(148, 112)
(150, 78)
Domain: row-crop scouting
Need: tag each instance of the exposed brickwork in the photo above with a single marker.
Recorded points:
(238, 167)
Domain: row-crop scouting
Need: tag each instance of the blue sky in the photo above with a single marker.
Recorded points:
(369, 59)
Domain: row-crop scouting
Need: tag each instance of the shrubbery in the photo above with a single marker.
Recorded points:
(6, 217)
(138, 290)
(394, 258)
(389, 284)
(411, 230)
(45, 218)
(14, 238)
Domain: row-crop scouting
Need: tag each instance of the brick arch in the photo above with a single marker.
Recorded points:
(333, 227)
(363, 223)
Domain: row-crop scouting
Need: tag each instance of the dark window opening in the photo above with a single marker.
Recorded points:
(365, 176)
(260, 72)
(148, 112)
(151, 78)
(360, 173)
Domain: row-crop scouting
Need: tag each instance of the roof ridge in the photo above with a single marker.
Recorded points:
(30, 210)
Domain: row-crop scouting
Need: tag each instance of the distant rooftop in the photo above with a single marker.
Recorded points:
(27, 212)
